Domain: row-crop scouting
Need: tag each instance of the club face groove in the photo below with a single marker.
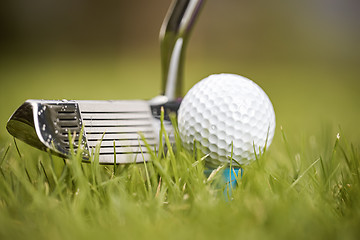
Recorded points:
(118, 126)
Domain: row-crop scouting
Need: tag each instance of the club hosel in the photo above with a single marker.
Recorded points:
(174, 35)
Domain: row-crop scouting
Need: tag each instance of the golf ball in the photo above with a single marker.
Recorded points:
(224, 115)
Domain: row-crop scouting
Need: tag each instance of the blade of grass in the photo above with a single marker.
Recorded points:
(303, 174)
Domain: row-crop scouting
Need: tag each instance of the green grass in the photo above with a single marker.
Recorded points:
(311, 193)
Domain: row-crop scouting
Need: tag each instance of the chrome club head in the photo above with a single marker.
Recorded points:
(118, 126)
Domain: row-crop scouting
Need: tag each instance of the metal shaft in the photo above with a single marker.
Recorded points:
(174, 34)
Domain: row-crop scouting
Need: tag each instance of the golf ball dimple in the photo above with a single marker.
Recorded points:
(226, 114)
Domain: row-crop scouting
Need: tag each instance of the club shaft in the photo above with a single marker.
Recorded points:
(174, 35)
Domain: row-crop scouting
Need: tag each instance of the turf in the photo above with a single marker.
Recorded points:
(297, 196)
(306, 185)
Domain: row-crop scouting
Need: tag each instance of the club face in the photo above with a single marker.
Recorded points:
(116, 127)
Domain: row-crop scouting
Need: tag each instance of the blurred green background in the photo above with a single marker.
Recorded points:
(304, 54)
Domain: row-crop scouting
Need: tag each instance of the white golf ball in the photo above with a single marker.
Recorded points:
(226, 114)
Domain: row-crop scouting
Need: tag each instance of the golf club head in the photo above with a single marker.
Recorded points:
(118, 127)
(125, 130)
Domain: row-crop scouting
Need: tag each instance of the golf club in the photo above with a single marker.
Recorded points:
(118, 125)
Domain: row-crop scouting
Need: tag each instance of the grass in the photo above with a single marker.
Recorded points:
(295, 195)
